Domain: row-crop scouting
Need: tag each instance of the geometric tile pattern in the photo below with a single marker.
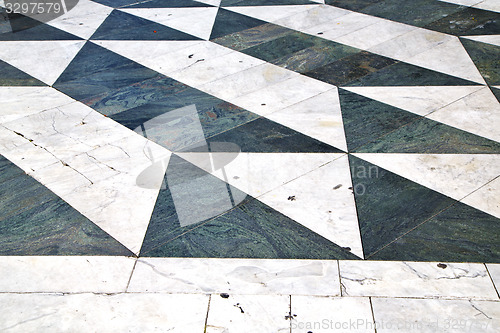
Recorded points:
(284, 129)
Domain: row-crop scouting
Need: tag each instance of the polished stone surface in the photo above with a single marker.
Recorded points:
(251, 165)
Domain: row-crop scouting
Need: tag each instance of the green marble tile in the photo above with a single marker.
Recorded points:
(459, 234)
(365, 119)
(123, 26)
(486, 58)
(389, 205)
(314, 57)
(265, 136)
(241, 40)
(27, 29)
(496, 92)
(354, 5)
(265, 2)
(350, 68)
(34, 221)
(11, 76)
(280, 47)
(403, 74)
(228, 22)
(245, 229)
(426, 136)
(418, 13)
(468, 21)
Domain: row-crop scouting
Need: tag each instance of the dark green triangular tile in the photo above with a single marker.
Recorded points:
(366, 119)
(486, 58)
(459, 234)
(350, 68)
(403, 74)
(468, 21)
(35, 221)
(168, 4)
(496, 92)
(123, 26)
(11, 76)
(226, 3)
(354, 5)
(426, 136)
(248, 229)
(416, 12)
(228, 22)
(27, 29)
(265, 136)
(389, 205)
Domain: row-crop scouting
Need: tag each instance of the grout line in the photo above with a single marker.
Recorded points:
(290, 316)
(492, 281)
(208, 310)
(131, 274)
(373, 314)
(340, 278)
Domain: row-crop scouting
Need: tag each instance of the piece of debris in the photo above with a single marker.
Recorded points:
(292, 198)
(443, 266)
(224, 295)
(347, 248)
(337, 187)
(190, 56)
(239, 307)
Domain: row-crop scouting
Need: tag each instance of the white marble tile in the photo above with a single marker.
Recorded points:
(17, 102)
(323, 203)
(319, 117)
(450, 58)
(454, 175)
(236, 276)
(248, 314)
(271, 13)
(463, 2)
(312, 17)
(433, 315)
(281, 95)
(486, 198)
(492, 5)
(94, 164)
(494, 270)
(416, 279)
(247, 81)
(210, 2)
(343, 25)
(68, 274)
(477, 113)
(374, 34)
(489, 39)
(421, 100)
(411, 44)
(196, 21)
(103, 313)
(47, 63)
(154, 54)
(213, 68)
(83, 20)
(329, 314)
(249, 172)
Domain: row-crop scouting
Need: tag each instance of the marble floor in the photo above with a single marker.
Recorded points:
(251, 166)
